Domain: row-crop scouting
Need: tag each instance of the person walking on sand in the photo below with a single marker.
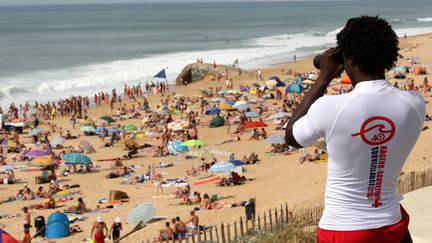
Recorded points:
(26, 219)
(369, 133)
(99, 231)
(115, 229)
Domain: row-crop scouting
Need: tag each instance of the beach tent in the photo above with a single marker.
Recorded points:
(6, 238)
(293, 88)
(57, 226)
(217, 122)
(161, 74)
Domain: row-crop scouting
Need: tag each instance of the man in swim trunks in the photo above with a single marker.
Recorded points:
(369, 133)
(99, 231)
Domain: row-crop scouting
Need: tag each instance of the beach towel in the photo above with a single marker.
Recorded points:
(206, 180)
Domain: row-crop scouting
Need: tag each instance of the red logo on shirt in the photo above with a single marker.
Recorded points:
(376, 130)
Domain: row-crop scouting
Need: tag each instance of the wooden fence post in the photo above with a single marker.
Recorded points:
(223, 233)
(241, 227)
(235, 231)
(270, 217)
(229, 233)
(276, 218)
(259, 222)
(217, 234)
(247, 226)
(211, 233)
(286, 213)
(265, 221)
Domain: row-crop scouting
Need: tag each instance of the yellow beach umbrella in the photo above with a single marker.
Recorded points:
(225, 106)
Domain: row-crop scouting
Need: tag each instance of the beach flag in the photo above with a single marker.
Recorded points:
(161, 74)
(243, 88)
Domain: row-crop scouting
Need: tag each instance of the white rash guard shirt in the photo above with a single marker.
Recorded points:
(369, 134)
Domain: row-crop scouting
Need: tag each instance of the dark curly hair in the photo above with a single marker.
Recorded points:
(370, 43)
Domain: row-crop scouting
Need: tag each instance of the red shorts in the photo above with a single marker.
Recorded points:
(387, 234)
(98, 238)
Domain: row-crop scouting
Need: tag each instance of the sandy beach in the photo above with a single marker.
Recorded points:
(276, 179)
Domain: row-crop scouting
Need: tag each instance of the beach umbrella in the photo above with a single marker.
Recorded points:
(252, 114)
(6, 238)
(242, 107)
(225, 106)
(193, 143)
(114, 130)
(87, 122)
(57, 141)
(88, 129)
(229, 102)
(217, 121)
(278, 115)
(130, 127)
(294, 88)
(43, 161)
(178, 125)
(243, 88)
(222, 167)
(76, 158)
(236, 162)
(345, 80)
(87, 147)
(202, 153)
(107, 119)
(276, 139)
(7, 168)
(8, 143)
(35, 132)
(212, 111)
(254, 124)
(217, 99)
(36, 153)
(142, 214)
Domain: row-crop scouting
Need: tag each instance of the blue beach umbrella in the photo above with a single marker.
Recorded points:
(252, 114)
(76, 158)
(35, 132)
(212, 111)
(222, 167)
(114, 130)
(237, 162)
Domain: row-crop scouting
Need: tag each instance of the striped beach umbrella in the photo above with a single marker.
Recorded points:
(142, 213)
(43, 161)
(178, 125)
(278, 115)
(76, 158)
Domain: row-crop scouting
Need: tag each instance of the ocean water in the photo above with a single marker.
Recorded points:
(53, 51)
